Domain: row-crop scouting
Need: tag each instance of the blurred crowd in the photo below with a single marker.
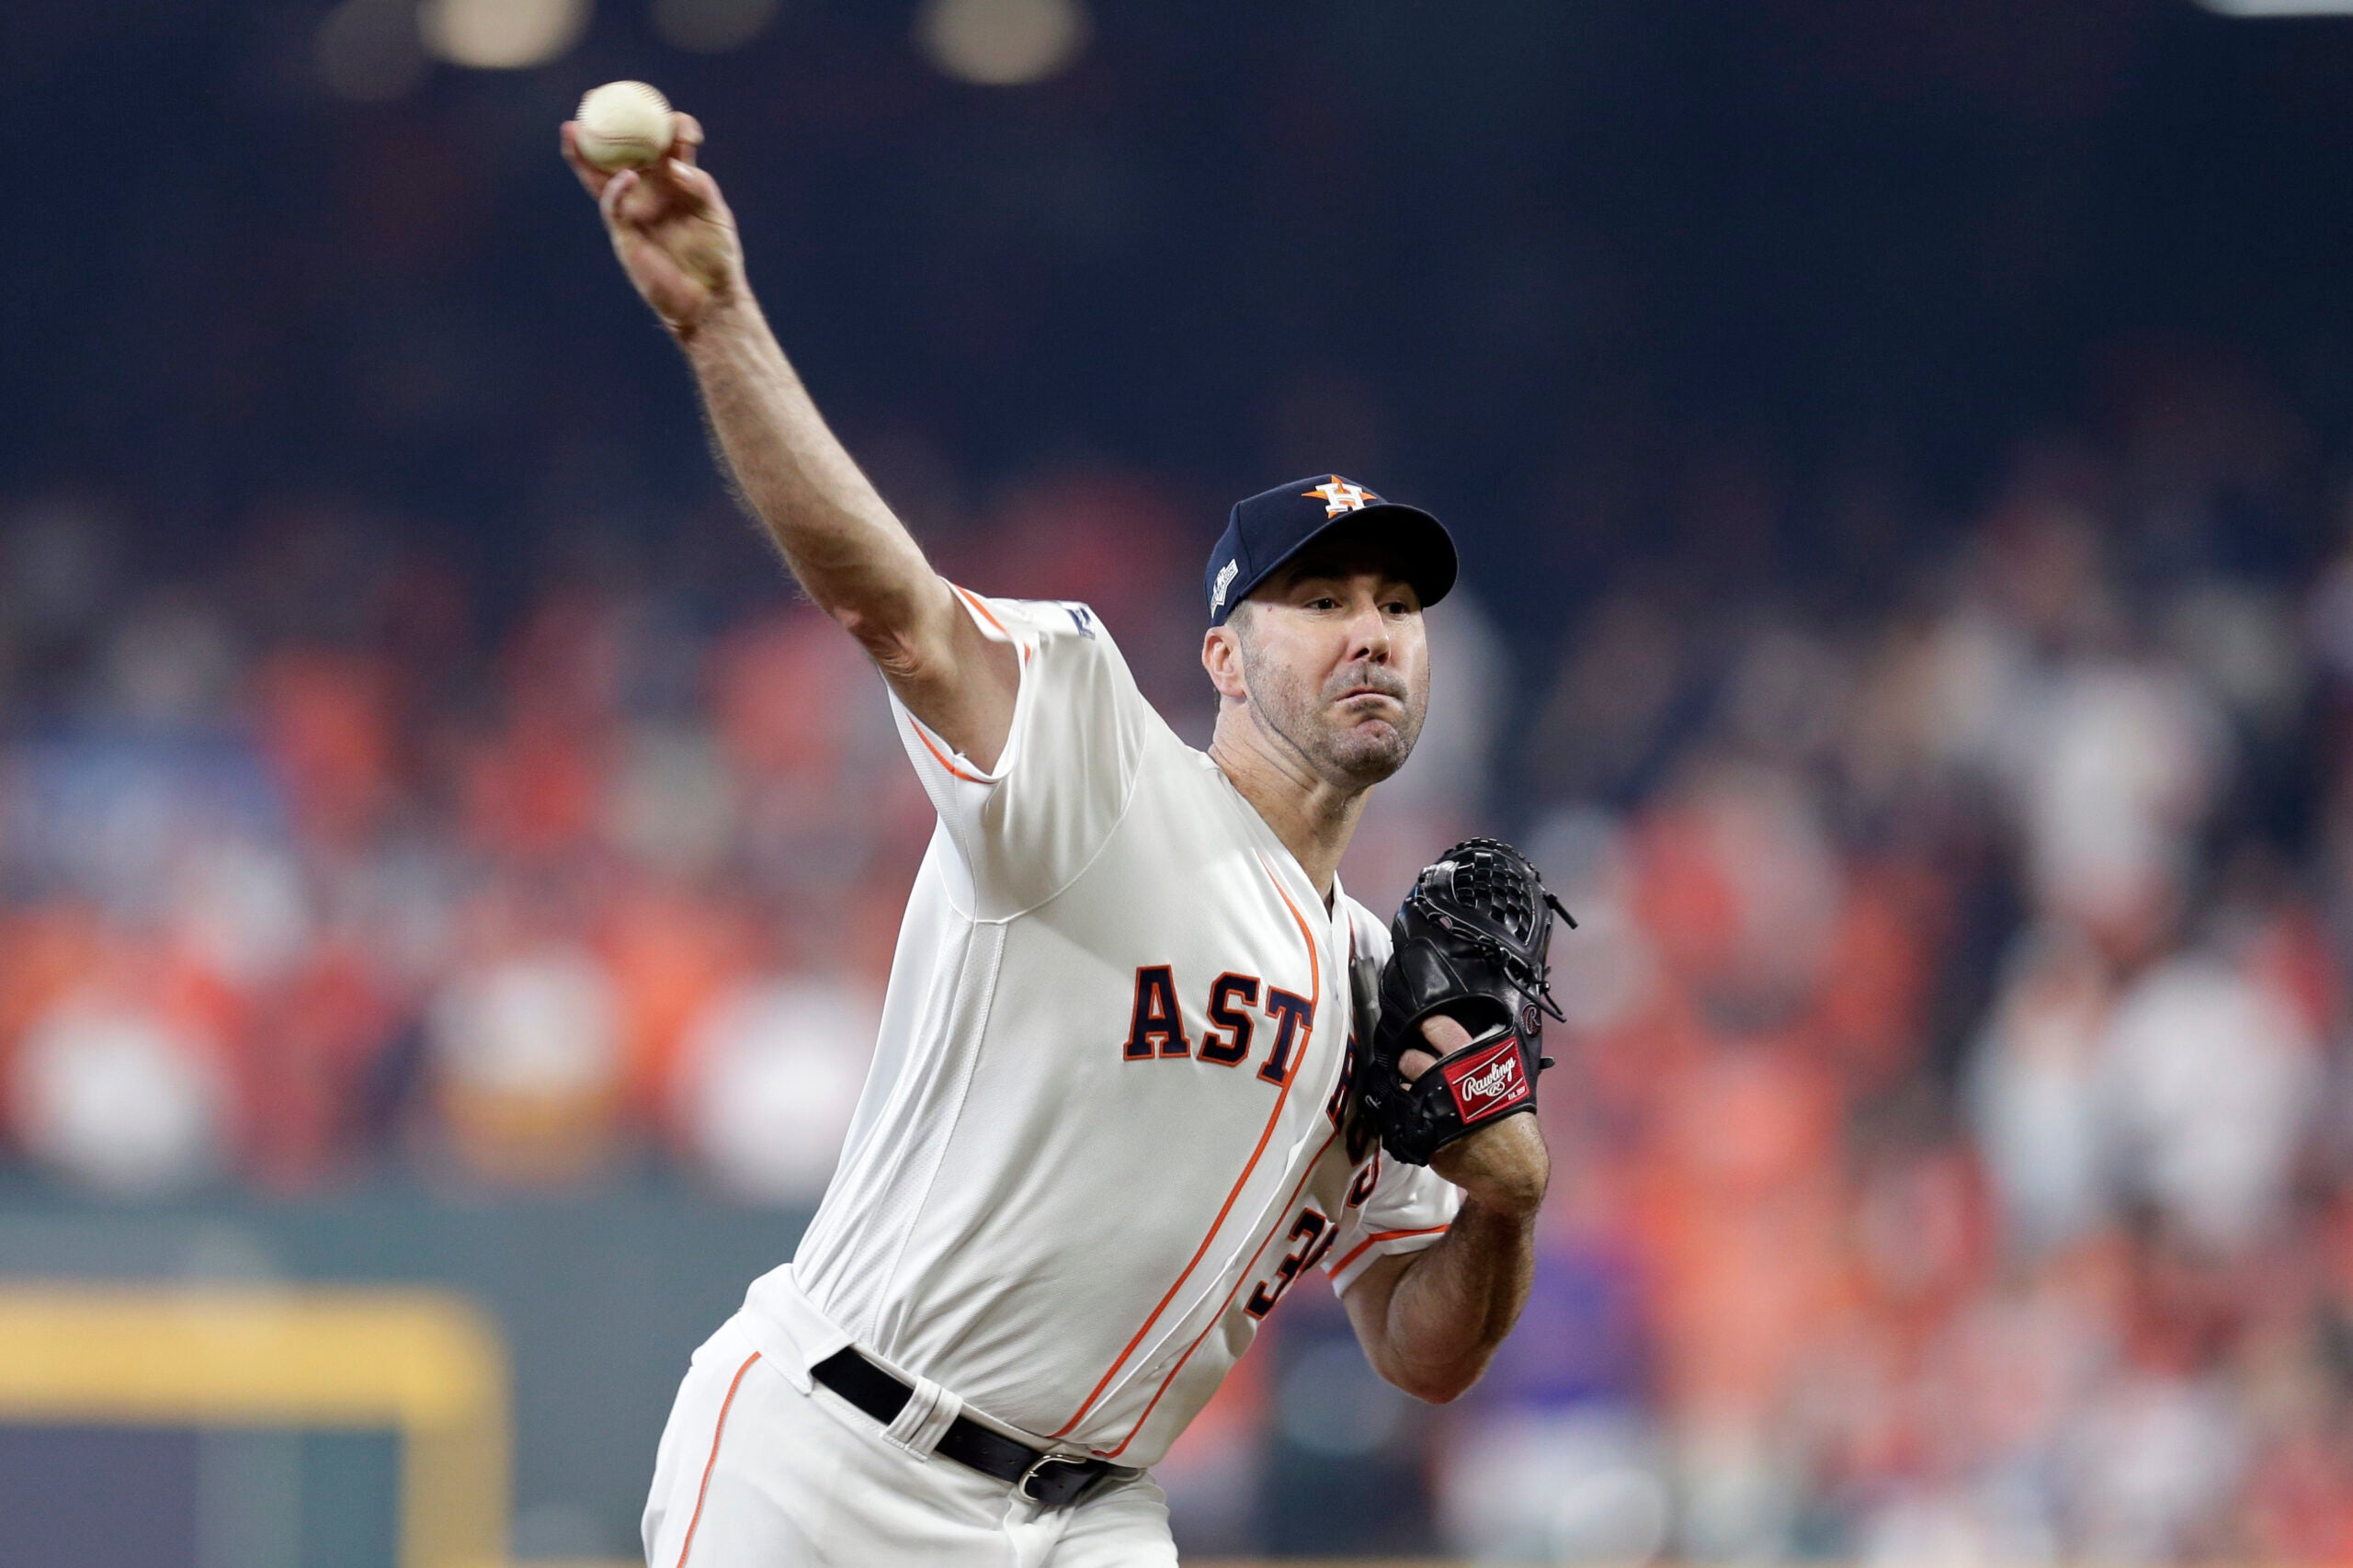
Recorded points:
(1954, 1161)
(1954, 1158)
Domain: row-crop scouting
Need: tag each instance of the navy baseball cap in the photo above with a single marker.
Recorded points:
(1267, 529)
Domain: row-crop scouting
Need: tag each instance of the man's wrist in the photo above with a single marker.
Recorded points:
(725, 322)
(1504, 1167)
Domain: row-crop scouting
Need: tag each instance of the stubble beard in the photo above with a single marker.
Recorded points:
(1352, 756)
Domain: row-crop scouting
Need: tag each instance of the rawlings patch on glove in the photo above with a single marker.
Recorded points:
(1469, 942)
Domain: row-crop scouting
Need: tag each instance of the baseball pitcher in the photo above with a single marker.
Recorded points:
(1129, 1089)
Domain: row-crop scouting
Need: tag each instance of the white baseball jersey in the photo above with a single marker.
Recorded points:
(1102, 1133)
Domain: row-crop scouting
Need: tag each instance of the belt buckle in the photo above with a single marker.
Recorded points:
(1022, 1486)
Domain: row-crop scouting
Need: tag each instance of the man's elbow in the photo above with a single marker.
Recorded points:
(1433, 1385)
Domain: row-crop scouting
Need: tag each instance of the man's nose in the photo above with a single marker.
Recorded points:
(1369, 631)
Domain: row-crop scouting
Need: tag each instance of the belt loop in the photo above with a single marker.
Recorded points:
(930, 1410)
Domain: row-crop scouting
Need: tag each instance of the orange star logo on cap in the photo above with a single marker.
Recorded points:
(1339, 495)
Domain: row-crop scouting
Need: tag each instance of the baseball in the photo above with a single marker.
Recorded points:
(623, 125)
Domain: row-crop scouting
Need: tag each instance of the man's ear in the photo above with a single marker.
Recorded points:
(1221, 656)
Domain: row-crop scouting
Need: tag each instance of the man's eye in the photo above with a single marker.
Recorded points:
(1323, 601)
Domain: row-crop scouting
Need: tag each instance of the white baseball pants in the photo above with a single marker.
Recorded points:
(760, 1467)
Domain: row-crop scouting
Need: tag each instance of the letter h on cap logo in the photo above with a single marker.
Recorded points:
(1340, 496)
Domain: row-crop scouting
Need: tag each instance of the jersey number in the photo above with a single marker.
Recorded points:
(1314, 1235)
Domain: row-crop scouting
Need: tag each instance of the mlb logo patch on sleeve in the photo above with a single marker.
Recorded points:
(1487, 1082)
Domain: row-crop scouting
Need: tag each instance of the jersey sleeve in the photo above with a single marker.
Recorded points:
(1410, 1209)
(1024, 829)
(1409, 1206)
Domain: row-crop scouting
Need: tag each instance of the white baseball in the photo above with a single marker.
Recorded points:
(624, 125)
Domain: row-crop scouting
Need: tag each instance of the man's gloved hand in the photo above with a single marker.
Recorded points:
(1467, 970)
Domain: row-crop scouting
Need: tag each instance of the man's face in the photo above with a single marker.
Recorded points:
(1336, 662)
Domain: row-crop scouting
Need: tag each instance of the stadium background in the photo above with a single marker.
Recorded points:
(1900, 456)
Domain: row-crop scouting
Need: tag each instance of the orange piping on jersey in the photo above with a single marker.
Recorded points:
(711, 1463)
(983, 612)
(1219, 1316)
(942, 757)
(1358, 1251)
(1315, 1002)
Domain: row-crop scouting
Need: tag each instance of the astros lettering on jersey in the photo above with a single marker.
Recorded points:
(1103, 1132)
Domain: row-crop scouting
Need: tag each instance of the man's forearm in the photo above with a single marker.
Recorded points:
(837, 536)
(676, 238)
(1456, 1300)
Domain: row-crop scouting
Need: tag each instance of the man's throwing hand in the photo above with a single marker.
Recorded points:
(670, 227)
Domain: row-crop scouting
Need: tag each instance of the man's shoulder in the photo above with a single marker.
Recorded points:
(1085, 672)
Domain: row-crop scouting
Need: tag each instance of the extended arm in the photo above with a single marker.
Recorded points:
(677, 240)
(1430, 1320)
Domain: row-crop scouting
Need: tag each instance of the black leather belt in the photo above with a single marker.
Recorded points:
(1052, 1480)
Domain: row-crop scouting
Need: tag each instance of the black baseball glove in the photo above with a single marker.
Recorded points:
(1470, 941)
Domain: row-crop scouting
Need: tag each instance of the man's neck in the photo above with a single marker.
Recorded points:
(1312, 816)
